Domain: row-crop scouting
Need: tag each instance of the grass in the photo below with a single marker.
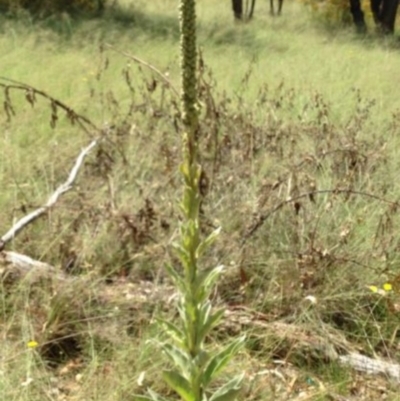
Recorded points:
(288, 108)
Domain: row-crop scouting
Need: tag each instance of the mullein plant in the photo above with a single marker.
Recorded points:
(194, 365)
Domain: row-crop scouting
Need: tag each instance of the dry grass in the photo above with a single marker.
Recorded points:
(301, 172)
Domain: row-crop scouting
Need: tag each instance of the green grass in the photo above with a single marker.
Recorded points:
(286, 110)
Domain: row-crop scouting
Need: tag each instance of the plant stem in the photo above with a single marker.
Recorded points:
(191, 174)
(187, 11)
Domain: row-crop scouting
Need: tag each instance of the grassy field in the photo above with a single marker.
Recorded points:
(299, 134)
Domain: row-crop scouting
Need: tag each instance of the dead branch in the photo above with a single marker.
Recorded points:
(31, 92)
(20, 266)
(148, 65)
(66, 186)
(262, 218)
(371, 366)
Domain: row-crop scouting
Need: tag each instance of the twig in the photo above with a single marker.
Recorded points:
(72, 115)
(261, 219)
(148, 65)
(66, 186)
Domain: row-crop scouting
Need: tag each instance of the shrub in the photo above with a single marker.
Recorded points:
(335, 11)
(47, 7)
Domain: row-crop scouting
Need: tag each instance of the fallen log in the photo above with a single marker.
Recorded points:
(19, 266)
(371, 366)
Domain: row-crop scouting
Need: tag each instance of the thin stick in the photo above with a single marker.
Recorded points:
(261, 219)
(70, 112)
(149, 66)
(66, 186)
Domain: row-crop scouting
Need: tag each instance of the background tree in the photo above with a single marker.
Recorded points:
(237, 7)
(383, 11)
(48, 7)
(241, 12)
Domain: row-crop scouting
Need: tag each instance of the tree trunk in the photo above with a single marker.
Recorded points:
(237, 7)
(358, 15)
(253, 3)
(376, 10)
(387, 16)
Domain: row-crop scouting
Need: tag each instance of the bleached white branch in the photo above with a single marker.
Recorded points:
(371, 366)
(66, 186)
(13, 262)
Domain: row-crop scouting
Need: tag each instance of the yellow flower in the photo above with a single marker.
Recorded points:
(32, 344)
(387, 287)
(373, 288)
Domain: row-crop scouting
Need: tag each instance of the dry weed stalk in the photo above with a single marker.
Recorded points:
(23, 263)
(195, 366)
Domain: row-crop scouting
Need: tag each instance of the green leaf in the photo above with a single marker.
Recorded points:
(179, 384)
(196, 171)
(211, 322)
(204, 313)
(184, 315)
(179, 358)
(181, 253)
(205, 244)
(202, 359)
(189, 307)
(228, 395)
(175, 333)
(219, 361)
(192, 239)
(175, 277)
(190, 204)
(229, 391)
(203, 318)
(206, 281)
(211, 277)
(184, 169)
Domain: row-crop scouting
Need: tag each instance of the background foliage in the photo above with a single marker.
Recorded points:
(336, 13)
(48, 7)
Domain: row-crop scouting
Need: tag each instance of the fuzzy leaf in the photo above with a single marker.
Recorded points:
(201, 359)
(191, 240)
(189, 308)
(219, 361)
(175, 333)
(178, 357)
(206, 281)
(212, 276)
(179, 384)
(204, 314)
(176, 278)
(205, 244)
(184, 169)
(211, 322)
(181, 253)
(229, 391)
(228, 395)
(191, 204)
